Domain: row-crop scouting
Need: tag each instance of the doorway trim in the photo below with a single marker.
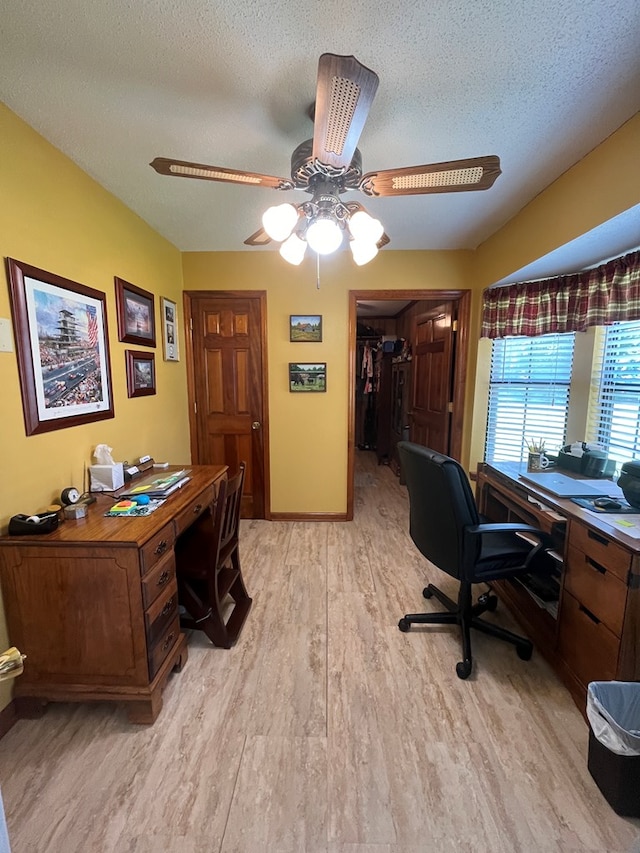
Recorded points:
(463, 300)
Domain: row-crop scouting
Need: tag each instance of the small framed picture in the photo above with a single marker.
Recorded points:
(308, 377)
(305, 327)
(136, 318)
(141, 373)
(169, 330)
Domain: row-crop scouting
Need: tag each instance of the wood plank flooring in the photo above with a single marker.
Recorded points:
(326, 729)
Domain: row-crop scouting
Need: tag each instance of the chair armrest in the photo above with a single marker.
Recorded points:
(511, 527)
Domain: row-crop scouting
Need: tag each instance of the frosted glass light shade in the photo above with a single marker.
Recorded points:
(363, 251)
(324, 236)
(279, 221)
(365, 227)
(293, 249)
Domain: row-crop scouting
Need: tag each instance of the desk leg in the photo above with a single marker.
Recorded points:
(145, 711)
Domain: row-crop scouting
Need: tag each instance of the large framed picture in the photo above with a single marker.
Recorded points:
(169, 330)
(136, 318)
(62, 346)
(141, 373)
(307, 377)
(305, 327)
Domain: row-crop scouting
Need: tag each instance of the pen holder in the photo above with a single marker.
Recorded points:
(537, 462)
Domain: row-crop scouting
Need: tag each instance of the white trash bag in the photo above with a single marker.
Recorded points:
(613, 709)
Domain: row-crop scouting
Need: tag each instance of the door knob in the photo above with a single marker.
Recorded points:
(256, 425)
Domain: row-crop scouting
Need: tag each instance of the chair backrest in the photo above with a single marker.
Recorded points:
(441, 507)
(231, 519)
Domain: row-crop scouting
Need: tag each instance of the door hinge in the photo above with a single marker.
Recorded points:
(633, 581)
(191, 323)
(195, 408)
(454, 325)
(450, 408)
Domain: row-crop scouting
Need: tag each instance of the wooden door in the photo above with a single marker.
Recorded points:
(227, 385)
(433, 369)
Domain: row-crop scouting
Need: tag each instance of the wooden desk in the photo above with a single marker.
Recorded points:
(594, 633)
(94, 605)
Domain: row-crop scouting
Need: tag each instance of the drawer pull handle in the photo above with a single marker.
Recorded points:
(197, 508)
(168, 607)
(164, 577)
(589, 614)
(168, 641)
(161, 547)
(601, 539)
(596, 566)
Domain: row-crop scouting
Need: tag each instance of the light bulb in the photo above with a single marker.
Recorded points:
(365, 227)
(293, 249)
(279, 221)
(363, 251)
(324, 236)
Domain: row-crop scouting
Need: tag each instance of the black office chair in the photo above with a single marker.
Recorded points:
(448, 531)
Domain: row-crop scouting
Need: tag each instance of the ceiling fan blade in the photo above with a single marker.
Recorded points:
(184, 169)
(477, 173)
(344, 95)
(258, 238)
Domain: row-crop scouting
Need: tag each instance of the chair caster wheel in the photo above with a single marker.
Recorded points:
(525, 650)
(404, 625)
(463, 669)
(427, 593)
(488, 601)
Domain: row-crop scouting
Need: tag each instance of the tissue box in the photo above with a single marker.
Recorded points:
(106, 478)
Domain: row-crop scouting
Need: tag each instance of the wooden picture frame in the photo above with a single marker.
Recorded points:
(62, 345)
(136, 314)
(169, 320)
(307, 376)
(141, 373)
(305, 328)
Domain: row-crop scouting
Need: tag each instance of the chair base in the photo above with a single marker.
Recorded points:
(467, 615)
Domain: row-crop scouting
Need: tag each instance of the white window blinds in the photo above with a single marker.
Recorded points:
(528, 394)
(614, 416)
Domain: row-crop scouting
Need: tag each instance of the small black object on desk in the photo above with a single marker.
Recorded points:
(28, 525)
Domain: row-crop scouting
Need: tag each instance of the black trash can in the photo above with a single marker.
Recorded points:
(613, 709)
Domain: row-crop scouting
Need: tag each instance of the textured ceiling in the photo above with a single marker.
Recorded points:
(113, 85)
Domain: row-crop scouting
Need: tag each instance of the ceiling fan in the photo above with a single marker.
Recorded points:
(330, 164)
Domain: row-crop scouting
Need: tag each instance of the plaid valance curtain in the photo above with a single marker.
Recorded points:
(606, 294)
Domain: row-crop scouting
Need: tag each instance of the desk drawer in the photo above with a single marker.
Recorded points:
(159, 652)
(159, 579)
(586, 645)
(196, 507)
(600, 548)
(157, 547)
(597, 588)
(161, 612)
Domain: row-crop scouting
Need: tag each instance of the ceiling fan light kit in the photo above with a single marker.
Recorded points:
(329, 165)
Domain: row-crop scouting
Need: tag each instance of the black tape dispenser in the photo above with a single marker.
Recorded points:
(28, 525)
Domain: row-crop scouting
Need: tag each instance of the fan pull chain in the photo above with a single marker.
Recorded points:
(317, 271)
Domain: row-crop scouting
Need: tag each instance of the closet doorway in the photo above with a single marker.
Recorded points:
(435, 324)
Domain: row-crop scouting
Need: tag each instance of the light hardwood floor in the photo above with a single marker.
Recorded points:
(326, 729)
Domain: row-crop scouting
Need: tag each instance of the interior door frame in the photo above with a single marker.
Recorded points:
(463, 300)
(261, 296)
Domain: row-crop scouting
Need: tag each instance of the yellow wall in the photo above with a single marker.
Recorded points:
(53, 216)
(601, 186)
(308, 432)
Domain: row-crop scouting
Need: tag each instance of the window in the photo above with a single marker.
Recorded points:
(528, 394)
(614, 416)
